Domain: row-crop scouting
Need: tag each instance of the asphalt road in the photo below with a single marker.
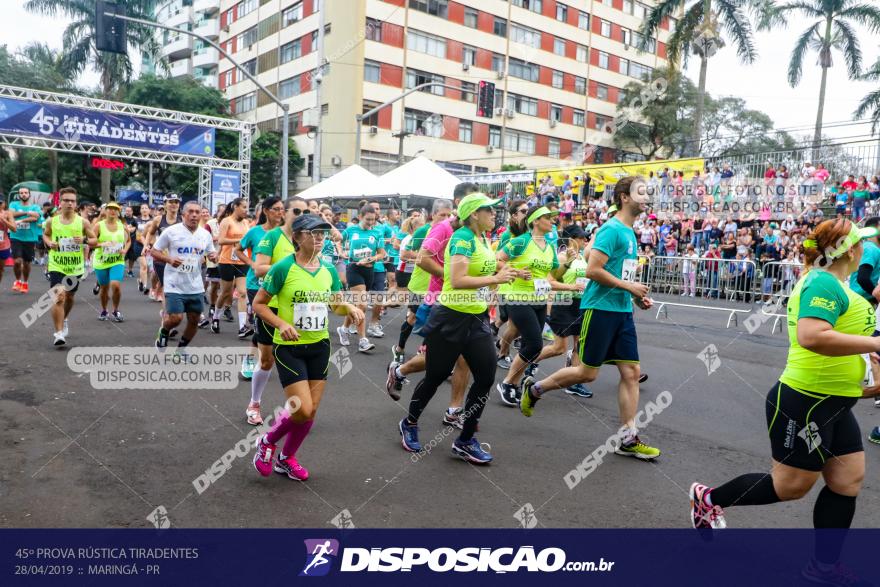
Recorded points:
(75, 456)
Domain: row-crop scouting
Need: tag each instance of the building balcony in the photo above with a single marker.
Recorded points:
(209, 80)
(180, 68)
(205, 57)
(179, 16)
(207, 6)
(208, 27)
(177, 47)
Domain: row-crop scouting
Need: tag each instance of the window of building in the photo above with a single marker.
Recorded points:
(247, 38)
(292, 14)
(425, 43)
(314, 43)
(581, 54)
(250, 66)
(522, 142)
(469, 55)
(499, 98)
(471, 17)
(559, 46)
(468, 92)
(499, 27)
(495, 136)
(374, 30)
(373, 119)
(372, 71)
(626, 36)
(628, 6)
(245, 7)
(497, 62)
(561, 12)
(638, 41)
(533, 5)
(578, 118)
(436, 7)
(603, 59)
(639, 71)
(525, 35)
(624, 66)
(583, 21)
(555, 112)
(602, 123)
(553, 148)
(465, 131)
(580, 85)
(246, 103)
(289, 88)
(522, 104)
(608, 3)
(523, 70)
(290, 51)
(227, 78)
(557, 80)
(415, 78)
(604, 28)
(602, 91)
(640, 10)
(415, 121)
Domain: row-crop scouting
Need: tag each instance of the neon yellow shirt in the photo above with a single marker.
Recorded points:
(481, 262)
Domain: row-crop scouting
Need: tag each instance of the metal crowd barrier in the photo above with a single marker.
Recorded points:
(777, 280)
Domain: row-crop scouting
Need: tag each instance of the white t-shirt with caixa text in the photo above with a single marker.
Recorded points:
(191, 247)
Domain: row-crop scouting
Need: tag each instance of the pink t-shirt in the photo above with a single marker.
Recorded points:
(435, 243)
(568, 206)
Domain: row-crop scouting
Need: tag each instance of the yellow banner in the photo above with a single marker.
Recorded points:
(609, 173)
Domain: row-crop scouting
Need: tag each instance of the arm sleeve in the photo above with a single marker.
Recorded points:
(824, 299)
(864, 277)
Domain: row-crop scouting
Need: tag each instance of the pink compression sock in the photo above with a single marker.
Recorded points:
(295, 437)
(282, 426)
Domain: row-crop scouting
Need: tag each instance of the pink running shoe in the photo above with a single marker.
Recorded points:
(253, 414)
(291, 468)
(704, 515)
(263, 458)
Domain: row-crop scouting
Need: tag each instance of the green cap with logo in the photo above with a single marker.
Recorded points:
(473, 202)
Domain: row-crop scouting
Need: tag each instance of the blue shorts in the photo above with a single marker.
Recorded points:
(113, 273)
(608, 337)
(5, 254)
(177, 303)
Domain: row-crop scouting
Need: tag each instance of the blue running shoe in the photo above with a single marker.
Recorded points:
(874, 436)
(471, 451)
(579, 389)
(409, 436)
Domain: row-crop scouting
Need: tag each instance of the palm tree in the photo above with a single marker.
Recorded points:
(833, 29)
(699, 30)
(81, 53)
(870, 104)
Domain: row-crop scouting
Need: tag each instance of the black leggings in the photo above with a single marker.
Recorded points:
(529, 320)
(478, 350)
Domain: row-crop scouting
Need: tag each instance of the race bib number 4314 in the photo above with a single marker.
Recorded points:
(310, 316)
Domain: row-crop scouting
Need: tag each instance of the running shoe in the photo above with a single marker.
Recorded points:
(215, 326)
(96, 289)
(263, 456)
(547, 335)
(130, 274)
(568, 358)
(173, 333)
(393, 383)
(454, 417)
(161, 341)
(375, 330)
(145, 291)
(365, 345)
(504, 362)
(409, 436)
(103, 316)
(66, 329)
(254, 418)
(25, 288)
(495, 330)
(507, 393)
(291, 468)
(204, 322)
(343, 334)
(528, 400)
(530, 370)
(117, 316)
(703, 515)
(352, 329)
(16, 286)
(397, 354)
(836, 575)
(877, 403)
(517, 343)
(59, 339)
(874, 436)
(471, 451)
(639, 450)
(643, 377)
(244, 332)
(227, 314)
(579, 389)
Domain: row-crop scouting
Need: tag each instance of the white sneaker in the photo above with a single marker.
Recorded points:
(365, 345)
(59, 339)
(342, 331)
(352, 329)
(375, 330)
(66, 330)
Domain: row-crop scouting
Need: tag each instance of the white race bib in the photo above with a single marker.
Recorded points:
(2, 235)
(310, 316)
(869, 375)
(22, 226)
(629, 270)
(483, 293)
(68, 245)
(542, 287)
(190, 265)
(581, 281)
(361, 254)
(112, 248)
(233, 256)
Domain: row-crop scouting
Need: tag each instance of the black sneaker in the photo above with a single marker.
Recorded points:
(508, 394)
(130, 274)
(245, 331)
(215, 326)
(454, 418)
(173, 333)
(204, 323)
(227, 314)
(643, 377)
(140, 287)
(161, 341)
(96, 289)
(393, 383)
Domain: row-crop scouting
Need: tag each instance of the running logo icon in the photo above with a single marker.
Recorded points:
(810, 434)
(320, 553)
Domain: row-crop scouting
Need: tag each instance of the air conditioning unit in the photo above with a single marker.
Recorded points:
(499, 74)
(509, 113)
(552, 123)
(374, 130)
(489, 148)
(336, 160)
(465, 66)
(226, 29)
(499, 111)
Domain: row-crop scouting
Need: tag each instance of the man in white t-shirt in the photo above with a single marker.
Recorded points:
(182, 247)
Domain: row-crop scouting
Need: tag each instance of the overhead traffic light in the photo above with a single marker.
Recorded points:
(486, 100)
(109, 31)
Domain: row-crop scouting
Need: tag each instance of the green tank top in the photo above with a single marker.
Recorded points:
(820, 294)
(68, 258)
(576, 273)
(110, 254)
(481, 262)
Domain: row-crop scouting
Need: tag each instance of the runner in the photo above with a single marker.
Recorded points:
(66, 236)
(303, 286)
(212, 271)
(110, 254)
(138, 245)
(233, 272)
(517, 210)
(271, 217)
(405, 266)
(130, 223)
(365, 248)
(608, 333)
(24, 238)
(380, 270)
(810, 422)
(458, 326)
(534, 260)
(168, 218)
(7, 225)
(180, 250)
(865, 283)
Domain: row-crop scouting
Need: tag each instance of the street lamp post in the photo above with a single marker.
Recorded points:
(284, 107)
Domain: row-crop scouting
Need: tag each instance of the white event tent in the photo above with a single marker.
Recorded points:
(352, 182)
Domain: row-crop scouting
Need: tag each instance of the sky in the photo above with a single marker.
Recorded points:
(763, 85)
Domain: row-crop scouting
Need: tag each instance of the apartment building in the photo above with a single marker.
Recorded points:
(185, 55)
(558, 67)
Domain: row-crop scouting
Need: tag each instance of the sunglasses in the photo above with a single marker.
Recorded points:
(297, 211)
(277, 208)
(522, 210)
